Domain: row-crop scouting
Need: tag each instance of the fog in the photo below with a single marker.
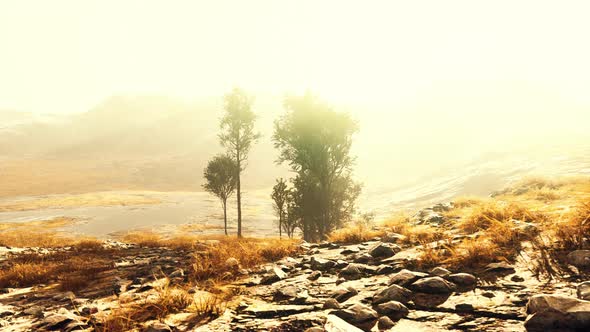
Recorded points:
(130, 92)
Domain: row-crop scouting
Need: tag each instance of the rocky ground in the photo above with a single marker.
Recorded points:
(376, 285)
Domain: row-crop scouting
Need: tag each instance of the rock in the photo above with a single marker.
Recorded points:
(392, 293)
(551, 312)
(406, 277)
(275, 275)
(464, 307)
(177, 273)
(351, 272)
(440, 272)
(463, 280)
(343, 294)
(315, 275)
(321, 264)
(385, 269)
(385, 323)
(351, 250)
(158, 327)
(384, 250)
(433, 285)
(363, 259)
(359, 315)
(315, 329)
(579, 258)
(232, 263)
(517, 278)
(583, 291)
(291, 293)
(501, 267)
(391, 237)
(36, 311)
(331, 304)
(59, 322)
(337, 324)
(393, 309)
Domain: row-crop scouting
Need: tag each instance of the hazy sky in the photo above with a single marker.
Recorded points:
(448, 56)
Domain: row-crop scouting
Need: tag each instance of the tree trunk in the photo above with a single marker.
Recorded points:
(280, 224)
(225, 215)
(239, 196)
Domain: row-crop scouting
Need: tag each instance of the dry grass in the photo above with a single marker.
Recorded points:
(353, 234)
(485, 215)
(250, 252)
(574, 233)
(77, 200)
(167, 300)
(154, 240)
(73, 270)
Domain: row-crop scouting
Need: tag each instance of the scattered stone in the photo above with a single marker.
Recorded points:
(579, 258)
(463, 279)
(315, 275)
(321, 264)
(359, 315)
(583, 291)
(337, 324)
(351, 250)
(385, 269)
(384, 250)
(343, 294)
(331, 304)
(158, 327)
(406, 277)
(517, 278)
(275, 275)
(440, 272)
(351, 272)
(433, 285)
(385, 323)
(392, 293)
(501, 267)
(363, 259)
(36, 311)
(552, 312)
(393, 309)
(391, 237)
(464, 307)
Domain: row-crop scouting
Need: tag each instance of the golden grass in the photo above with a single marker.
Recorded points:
(167, 300)
(249, 252)
(353, 234)
(77, 200)
(73, 269)
(484, 215)
(574, 233)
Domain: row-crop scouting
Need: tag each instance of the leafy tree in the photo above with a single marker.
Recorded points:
(315, 141)
(280, 197)
(220, 175)
(291, 221)
(237, 136)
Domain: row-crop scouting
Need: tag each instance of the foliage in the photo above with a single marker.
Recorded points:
(315, 141)
(220, 175)
(237, 136)
(280, 197)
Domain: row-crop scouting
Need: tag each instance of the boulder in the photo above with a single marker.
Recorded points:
(331, 304)
(337, 324)
(579, 258)
(351, 272)
(385, 323)
(440, 272)
(384, 250)
(359, 315)
(554, 312)
(392, 293)
(463, 279)
(343, 294)
(433, 285)
(275, 275)
(406, 277)
(321, 264)
(393, 309)
(583, 291)
(158, 327)
(501, 267)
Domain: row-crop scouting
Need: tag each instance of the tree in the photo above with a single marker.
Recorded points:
(220, 176)
(280, 197)
(315, 141)
(237, 136)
